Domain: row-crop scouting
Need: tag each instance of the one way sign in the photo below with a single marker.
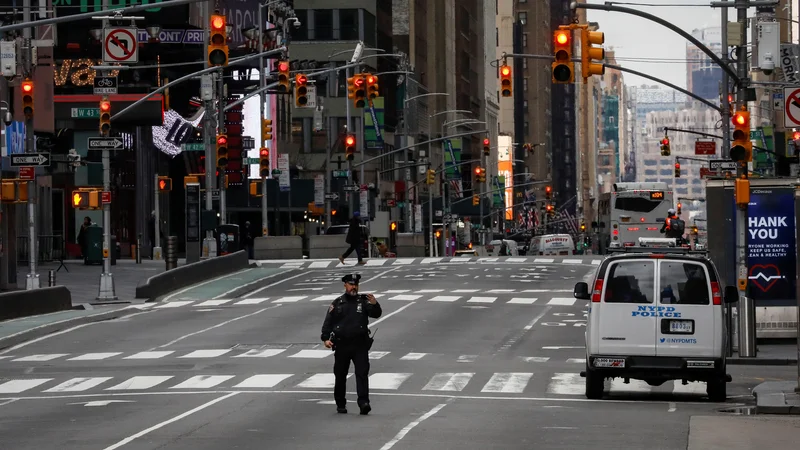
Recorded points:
(30, 159)
(101, 143)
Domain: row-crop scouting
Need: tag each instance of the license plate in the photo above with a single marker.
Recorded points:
(609, 362)
(681, 326)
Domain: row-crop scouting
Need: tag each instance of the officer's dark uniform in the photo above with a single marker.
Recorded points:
(346, 325)
(667, 230)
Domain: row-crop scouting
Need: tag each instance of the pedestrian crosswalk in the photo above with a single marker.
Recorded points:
(541, 297)
(294, 353)
(381, 262)
(469, 383)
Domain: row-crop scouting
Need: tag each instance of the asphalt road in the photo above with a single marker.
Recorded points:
(467, 356)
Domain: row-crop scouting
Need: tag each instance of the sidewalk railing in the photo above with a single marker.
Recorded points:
(49, 248)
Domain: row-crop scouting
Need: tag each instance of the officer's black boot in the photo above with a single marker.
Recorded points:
(341, 410)
(365, 408)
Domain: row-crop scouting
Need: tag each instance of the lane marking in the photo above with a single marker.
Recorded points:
(187, 289)
(402, 433)
(514, 339)
(672, 407)
(250, 294)
(131, 438)
(390, 314)
(195, 333)
(224, 294)
(413, 356)
(380, 275)
(388, 394)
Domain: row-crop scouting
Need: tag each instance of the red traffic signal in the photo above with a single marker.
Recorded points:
(562, 37)
(283, 66)
(740, 119)
(263, 153)
(222, 140)
(27, 87)
(350, 140)
(678, 165)
(477, 171)
(217, 22)
(371, 79)
(162, 184)
(548, 189)
(665, 141)
(358, 82)
(105, 106)
(505, 71)
(301, 80)
(796, 136)
(485, 141)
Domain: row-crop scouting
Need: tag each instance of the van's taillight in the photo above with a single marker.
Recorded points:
(716, 294)
(598, 291)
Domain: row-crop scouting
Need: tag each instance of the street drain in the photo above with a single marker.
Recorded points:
(740, 411)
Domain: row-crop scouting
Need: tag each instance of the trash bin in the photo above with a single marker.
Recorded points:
(227, 239)
(94, 245)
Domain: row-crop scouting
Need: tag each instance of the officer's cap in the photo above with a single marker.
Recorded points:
(351, 278)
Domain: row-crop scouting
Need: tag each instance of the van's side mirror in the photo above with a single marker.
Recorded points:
(581, 291)
(731, 294)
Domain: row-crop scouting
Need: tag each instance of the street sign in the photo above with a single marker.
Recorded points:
(791, 107)
(215, 194)
(276, 172)
(101, 143)
(351, 188)
(105, 85)
(193, 147)
(340, 174)
(27, 173)
(30, 159)
(119, 45)
(721, 164)
(391, 202)
(85, 113)
(105, 197)
(252, 161)
(705, 148)
(8, 58)
(334, 196)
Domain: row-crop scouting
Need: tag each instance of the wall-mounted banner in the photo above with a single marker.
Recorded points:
(771, 258)
(319, 190)
(283, 165)
(175, 131)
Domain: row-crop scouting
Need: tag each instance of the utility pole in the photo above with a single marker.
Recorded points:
(221, 124)
(209, 127)
(262, 97)
(32, 281)
(726, 138)
(746, 309)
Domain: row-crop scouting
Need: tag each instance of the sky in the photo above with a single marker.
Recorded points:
(648, 47)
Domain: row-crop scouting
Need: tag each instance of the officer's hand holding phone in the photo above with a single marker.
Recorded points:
(371, 299)
(328, 344)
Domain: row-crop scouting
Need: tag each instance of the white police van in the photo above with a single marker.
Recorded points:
(656, 314)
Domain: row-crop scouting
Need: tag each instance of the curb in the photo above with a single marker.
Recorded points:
(775, 403)
(45, 329)
(736, 361)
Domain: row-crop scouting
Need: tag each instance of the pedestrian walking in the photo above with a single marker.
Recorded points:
(248, 240)
(354, 239)
(346, 331)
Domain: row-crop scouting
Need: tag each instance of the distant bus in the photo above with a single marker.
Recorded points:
(631, 211)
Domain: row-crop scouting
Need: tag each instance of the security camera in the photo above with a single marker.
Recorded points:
(8, 118)
(297, 24)
(767, 65)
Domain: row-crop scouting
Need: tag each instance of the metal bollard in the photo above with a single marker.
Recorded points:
(139, 249)
(171, 254)
(52, 278)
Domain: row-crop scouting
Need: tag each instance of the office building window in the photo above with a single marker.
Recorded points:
(348, 24)
(524, 40)
(370, 30)
(522, 17)
(323, 24)
(525, 84)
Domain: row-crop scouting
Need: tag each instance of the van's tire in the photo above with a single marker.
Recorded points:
(594, 384)
(717, 390)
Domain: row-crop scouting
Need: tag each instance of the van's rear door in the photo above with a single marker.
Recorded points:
(627, 319)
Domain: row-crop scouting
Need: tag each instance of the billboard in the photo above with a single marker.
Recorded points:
(505, 169)
(771, 256)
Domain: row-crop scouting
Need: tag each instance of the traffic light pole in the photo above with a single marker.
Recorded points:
(106, 291)
(32, 280)
(209, 128)
(262, 99)
(222, 130)
(157, 238)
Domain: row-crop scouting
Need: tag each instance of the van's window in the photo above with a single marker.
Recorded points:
(683, 284)
(630, 282)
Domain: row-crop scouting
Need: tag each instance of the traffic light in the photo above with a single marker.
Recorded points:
(742, 149)
(679, 208)
(548, 192)
(393, 226)
(80, 199)
(27, 98)
(695, 230)
(300, 91)
(563, 68)
(222, 151)
(283, 76)
(218, 44)
(505, 81)
(430, 177)
(665, 146)
(677, 169)
(482, 176)
(476, 200)
(164, 184)
(796, 135)
(477, 173)
(372, 86)
(550, 210)
(486, 149)
(105, 116)
(356, 88)
(350, 147)
(591, 54)
(266, 129)
(583, 226)
(263, 162)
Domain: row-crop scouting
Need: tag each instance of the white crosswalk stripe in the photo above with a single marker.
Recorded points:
(448, 382)
(79, 384)
(522, 301)
(413, 356)
(40, 358)
(572, 261)
(206, 353)
(150, 355)
(405, 297)
(217, 302)
(263, 381)
(312, 354)
(377, 355)
(387, 380)
(294, 299)
(320, 381)
(444, 298)
(176, 304)
(140, 383)
(376, 262)
(94, 356)
(252, 301)
(319, 264)
(203, 382)
(261, 353)
(482, 300)
(561, 301)
(566, 384)
(19, 386)
(326, 298)
(508, 383)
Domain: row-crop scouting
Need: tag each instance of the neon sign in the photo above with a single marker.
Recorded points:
(78, 72)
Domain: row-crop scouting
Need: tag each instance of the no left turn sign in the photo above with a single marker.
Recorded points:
(791, 107)
(119, 45)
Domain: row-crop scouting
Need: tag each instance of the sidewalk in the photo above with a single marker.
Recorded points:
(778, 397)
(83, 281)
(742, 433)
(769, 355)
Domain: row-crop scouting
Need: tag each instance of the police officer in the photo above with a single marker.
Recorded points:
(667, 228)
(345, 331)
